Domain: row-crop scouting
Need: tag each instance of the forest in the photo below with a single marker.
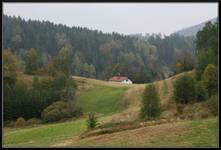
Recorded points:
(95, 54)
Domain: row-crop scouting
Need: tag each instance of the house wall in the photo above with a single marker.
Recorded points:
(127, 81)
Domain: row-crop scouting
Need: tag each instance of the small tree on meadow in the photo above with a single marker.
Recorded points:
(92, 121)
(184, 89)
(150, 103)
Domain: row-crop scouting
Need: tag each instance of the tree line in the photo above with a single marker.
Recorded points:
(95, 54)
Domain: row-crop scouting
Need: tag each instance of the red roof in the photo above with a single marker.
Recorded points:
(118, 78)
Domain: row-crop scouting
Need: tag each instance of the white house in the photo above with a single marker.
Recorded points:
(127, 81)
(121, 79)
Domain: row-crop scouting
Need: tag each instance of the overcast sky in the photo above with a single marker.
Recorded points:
(126, 18)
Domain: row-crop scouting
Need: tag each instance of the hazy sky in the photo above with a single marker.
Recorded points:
(126, 18)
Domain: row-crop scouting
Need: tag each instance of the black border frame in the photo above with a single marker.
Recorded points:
(99, 1)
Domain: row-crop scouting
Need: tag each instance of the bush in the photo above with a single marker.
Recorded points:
(201, 93)
(150, 103)
(180, 107)
(210, 79)
(33, 121)
(196, 111)
(92, 121)
(9, 123)
(213, 104)
(203, 59)
(20, 122)
(60, 110)
(59, 81)
(184, 89)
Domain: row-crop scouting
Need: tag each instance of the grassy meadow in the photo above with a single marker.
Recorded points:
(196, 133)
(99, 98)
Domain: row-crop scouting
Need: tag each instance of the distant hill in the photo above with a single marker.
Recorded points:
(192, 31)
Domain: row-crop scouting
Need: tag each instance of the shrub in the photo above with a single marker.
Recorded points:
(20, 122)
(184, 89)
(201, 93)
(196, 111)
(213, 104)
(92, 121)
(68, 93)
(59, 81)
(60, 110)
(210, 79)
(180, 107)
(33, 121)
(203, 59)
(6, 122)
(11, 124)
(150, 103)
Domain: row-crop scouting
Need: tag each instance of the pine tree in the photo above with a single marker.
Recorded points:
(150, 103)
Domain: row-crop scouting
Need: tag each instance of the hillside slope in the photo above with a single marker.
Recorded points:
(197, 133)
(130, 101)
(115, 102)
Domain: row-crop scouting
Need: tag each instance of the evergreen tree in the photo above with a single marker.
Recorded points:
(9, 68)
(32, 61)
(210, 79)
(150, 103)
(184, 89)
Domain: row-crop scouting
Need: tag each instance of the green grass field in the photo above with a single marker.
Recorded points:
(101, 99)
(196, 133)
(44, 135)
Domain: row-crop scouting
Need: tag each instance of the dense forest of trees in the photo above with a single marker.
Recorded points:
(93, 53)
(29, 101)
(174, 49)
